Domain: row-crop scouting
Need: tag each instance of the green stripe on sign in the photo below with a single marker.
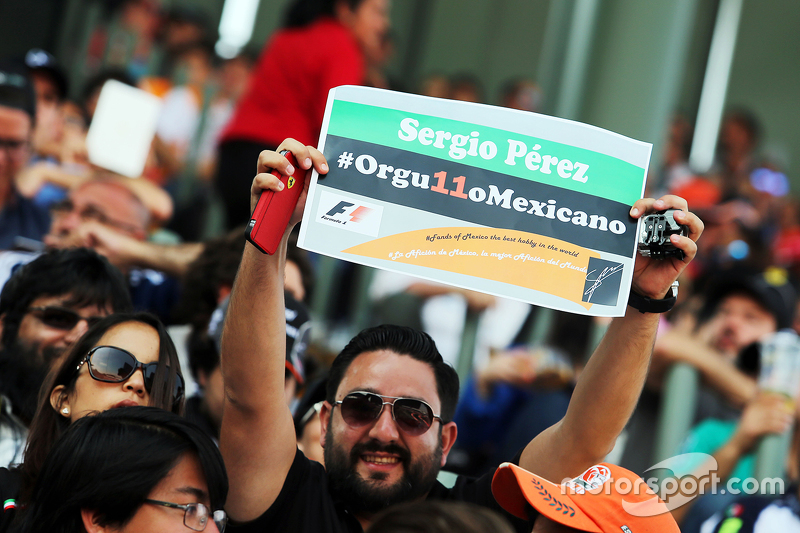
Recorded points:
(580, 170)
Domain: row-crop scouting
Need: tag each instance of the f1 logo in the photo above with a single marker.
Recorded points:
(349, 214)
(341, 207)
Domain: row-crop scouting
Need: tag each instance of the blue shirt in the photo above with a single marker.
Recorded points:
(21, 217)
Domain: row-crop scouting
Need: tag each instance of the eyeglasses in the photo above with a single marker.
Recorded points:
(195, 515)
(63, 318)
(110, 364)
(89, 212)
(413, 417)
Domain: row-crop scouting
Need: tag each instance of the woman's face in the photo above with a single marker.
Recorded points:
(89, 395)
(368, 23)
(184, 484)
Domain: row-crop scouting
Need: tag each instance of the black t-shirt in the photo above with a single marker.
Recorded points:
(305, 504)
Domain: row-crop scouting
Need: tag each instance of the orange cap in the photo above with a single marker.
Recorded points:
(605, 498)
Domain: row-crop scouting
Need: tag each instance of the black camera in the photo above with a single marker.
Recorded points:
(656, 230)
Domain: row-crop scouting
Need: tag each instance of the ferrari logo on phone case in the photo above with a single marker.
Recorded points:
(291, 181)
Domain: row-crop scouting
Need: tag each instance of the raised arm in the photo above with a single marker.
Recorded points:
(155, 199)
(684, 345)
(257, 438)
(609, 386)
(125, 252)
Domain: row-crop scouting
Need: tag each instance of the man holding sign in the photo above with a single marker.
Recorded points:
(387, 422)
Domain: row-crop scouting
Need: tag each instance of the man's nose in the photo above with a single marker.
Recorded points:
(385, 429)
(63, 224)
(77, 331)
(732, 322)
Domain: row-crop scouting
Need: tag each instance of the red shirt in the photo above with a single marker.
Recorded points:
(289, 88)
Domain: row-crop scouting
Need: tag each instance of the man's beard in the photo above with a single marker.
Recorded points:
(368, 496)
(22, 372)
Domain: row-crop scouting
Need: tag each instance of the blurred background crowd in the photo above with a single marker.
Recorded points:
(724, 134)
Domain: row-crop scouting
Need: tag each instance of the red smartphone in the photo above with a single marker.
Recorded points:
(274, 209)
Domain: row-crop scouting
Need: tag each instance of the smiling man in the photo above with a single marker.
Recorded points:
(387, 424)
(389, 448)
(45, 307)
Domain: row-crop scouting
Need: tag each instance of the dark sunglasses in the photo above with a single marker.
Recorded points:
(413, 417)
(57, 317)
(110, 364)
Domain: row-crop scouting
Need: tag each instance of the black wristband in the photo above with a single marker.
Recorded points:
(644, 304)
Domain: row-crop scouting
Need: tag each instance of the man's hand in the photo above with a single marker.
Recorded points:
(653, 277)
(515, 368)
(767, 413)
(478, 301)
(306, 156)
(120, 249)
(683, 343)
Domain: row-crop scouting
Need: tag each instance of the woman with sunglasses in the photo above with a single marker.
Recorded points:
(125, 359)
(130, 470)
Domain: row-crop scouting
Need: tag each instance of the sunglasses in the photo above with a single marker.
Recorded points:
(413, 417)
(63, 318)
(110, 364)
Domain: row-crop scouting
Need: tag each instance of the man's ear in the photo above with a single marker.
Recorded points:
(324, 418)
(449, 434)
(90, 522)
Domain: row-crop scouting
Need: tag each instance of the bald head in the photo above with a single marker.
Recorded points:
(103, 202)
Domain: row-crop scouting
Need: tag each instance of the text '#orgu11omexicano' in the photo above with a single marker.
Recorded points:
(402, 178)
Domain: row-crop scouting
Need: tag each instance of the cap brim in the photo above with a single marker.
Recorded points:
(515, 488)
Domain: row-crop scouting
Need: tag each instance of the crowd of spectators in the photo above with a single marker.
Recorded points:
(93, 265)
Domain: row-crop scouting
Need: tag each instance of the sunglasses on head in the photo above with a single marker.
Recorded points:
(413, 417)
(110, 364)
(57, 317)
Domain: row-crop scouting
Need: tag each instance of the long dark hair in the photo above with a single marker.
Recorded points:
(110, 463)
(48, 425)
